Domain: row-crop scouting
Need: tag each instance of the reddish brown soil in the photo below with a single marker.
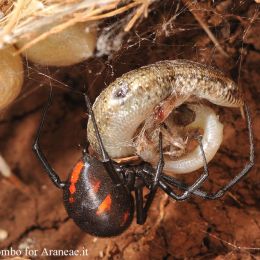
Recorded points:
(228, 228)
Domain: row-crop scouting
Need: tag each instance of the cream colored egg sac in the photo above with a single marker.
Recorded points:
(11, 76)
(68, 47)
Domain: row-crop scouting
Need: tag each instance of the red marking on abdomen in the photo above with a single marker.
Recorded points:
(72, 188)
(71, 200)
(105, 205)
(96, 186)
(75, 176)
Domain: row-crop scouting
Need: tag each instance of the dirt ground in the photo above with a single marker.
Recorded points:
(228, 228)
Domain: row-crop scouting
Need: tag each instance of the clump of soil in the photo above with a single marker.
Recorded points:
(229, 228)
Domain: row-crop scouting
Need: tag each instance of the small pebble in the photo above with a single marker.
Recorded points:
(3, 235)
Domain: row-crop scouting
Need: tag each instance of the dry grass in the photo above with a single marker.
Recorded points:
(20, 19)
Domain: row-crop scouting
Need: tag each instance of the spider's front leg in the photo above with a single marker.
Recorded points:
(141, 211)
(106, 160)
(156, 182)
(141, 208)
(198, 192)
(188, 190)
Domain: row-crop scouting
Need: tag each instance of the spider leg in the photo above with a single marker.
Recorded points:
(246, 168)
(172, 181)
(189, 189)
(37, 149)
(223, 190)
(156, 182)
(108, 164)
(141, 211)
(130, 178)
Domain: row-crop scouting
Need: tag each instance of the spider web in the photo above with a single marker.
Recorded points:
(171, 31)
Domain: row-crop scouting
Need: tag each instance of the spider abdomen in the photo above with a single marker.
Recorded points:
(94, 202)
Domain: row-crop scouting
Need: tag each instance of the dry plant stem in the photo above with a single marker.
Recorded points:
(194, 9)
(143, 9)
(36, 14)
(14, 16)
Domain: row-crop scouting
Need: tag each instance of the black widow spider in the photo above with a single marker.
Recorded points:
(97, 194)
